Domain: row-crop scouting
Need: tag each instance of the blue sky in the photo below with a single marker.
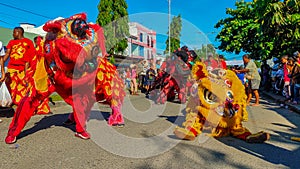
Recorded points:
(199, 16)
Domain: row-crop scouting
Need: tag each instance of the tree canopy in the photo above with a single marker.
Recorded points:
(263, 28)
(204, 51)
(113, 17)
(175, 33)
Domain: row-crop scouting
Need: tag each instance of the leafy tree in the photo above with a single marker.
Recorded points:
(263, 28)
(204, 50)
(239, 31)
(113, 17)
(175, 33)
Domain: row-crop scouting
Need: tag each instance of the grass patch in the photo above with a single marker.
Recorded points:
(56, 97)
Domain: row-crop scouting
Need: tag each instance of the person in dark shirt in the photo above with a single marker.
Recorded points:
(149, 78)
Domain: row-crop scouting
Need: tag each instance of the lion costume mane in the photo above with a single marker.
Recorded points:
(217, 104)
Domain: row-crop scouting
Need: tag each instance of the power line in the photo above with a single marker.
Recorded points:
(25, 10)
(11, 16)
(5, 22)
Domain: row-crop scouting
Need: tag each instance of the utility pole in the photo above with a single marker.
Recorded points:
(169, 27)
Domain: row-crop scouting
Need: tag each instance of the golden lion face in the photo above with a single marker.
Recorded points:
(220, 92)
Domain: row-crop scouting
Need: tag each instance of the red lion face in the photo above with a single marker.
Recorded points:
(74, 45)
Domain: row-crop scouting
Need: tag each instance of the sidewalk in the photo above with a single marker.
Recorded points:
(279, 99)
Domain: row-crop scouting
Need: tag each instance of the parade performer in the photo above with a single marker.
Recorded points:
(21, 67)
(21, 51)
(77, 72)
(218, 105)
(44, 107)
(174, 76)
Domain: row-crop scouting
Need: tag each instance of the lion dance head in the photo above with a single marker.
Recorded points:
(218, 102)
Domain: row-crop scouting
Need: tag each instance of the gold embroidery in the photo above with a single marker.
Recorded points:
(18, 51)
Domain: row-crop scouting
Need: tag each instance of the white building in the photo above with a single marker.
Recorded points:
(30, 28)
(142, 41)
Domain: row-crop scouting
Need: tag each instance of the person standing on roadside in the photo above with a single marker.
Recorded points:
(295, 79)
(286, 86)
(253, 78)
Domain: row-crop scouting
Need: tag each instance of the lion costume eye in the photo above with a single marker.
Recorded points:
(229, 95)
(210, 97)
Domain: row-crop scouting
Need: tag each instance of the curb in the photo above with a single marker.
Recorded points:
(279, 99)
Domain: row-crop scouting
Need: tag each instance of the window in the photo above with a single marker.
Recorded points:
(148, 41)
(141, 37)
(152, 43)
(141, 51)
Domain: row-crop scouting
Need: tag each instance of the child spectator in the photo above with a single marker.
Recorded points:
(127, 77)
(134, 86)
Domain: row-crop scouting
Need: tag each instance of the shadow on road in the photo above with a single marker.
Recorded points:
(57, 120)
(268, 152)
(6, 112)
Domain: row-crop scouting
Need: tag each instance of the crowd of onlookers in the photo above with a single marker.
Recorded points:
(282, 78)
(140, 76)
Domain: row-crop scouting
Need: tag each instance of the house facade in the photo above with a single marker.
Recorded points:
(141, 42)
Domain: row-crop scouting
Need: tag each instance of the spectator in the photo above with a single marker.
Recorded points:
(2, 71)
(142, 67)
(134, 86)
(122, 73)
(2, 53)
(275, 68)
(150, 78)
(240, 75)
(222, 63)
(127, 77)
(158, 64)
(253, 77)
(211, 63)
(21, 51)
(295, 79)
(265, 75)
(297, 56)
(286, 86)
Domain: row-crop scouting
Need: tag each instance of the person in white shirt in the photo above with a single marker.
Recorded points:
(2, 53)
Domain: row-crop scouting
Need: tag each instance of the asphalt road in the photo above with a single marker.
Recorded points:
(147, 141)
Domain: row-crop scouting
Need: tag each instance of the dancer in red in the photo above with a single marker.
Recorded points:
(21, 51)
(76, 71)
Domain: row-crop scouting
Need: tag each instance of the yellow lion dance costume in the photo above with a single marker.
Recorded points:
(218, 104)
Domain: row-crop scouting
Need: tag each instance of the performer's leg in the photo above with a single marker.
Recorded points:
(243, 133)
(182, 94)
(193, 124)
(116, 117)
(191, 127)
(81, 110)
(44, 107)
(25, 110)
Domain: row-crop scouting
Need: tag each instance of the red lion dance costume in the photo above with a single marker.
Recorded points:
(77, 74)
(174, 77)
